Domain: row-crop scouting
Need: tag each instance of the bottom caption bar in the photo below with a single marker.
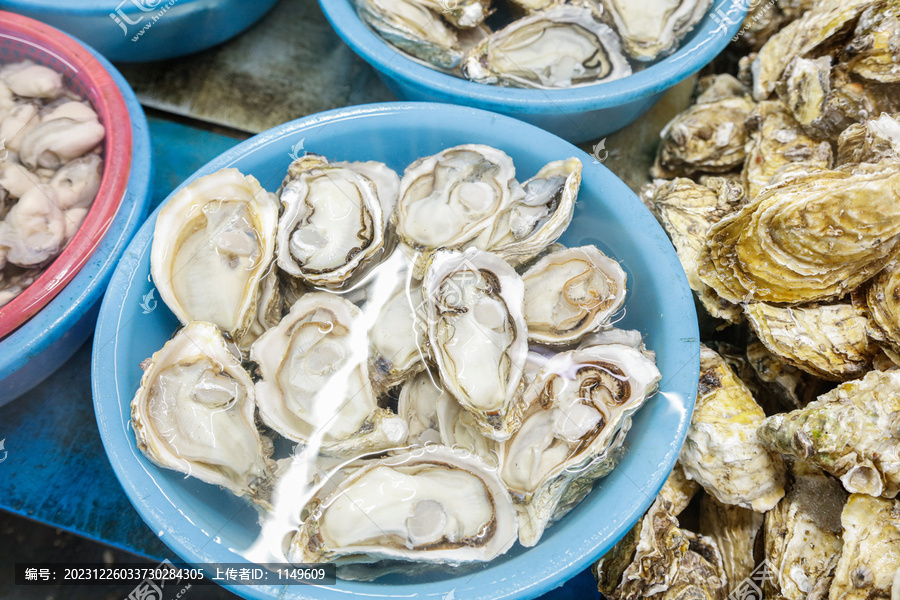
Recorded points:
(167, 573)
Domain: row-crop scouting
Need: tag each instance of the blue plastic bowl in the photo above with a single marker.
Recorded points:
(576, 114)
(205, 524)
(48, 339)
(145, 30)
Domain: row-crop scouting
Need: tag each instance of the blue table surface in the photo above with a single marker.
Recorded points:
(55, 470)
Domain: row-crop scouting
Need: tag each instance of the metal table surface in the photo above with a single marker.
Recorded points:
(54, 468)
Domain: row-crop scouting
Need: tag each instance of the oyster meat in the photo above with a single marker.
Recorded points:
(431, 504)
(460, 13)
(570, 293)
(561, 47)
(418, 406)
(653, 29)
(578, 410)
(397, 343)
(849, 432)
(810, 238)
(212, 246)
(477, 335)
(722, 451)
(830, 341)
(194, 413)
(314, 382)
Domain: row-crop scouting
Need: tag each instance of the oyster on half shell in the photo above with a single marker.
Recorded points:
(213, 244)
(432, 504)
(653, 28)
(194, 413)
(561, 47)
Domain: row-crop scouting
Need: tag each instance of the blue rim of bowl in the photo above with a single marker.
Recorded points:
(80, 7)
(37, 334)
(707, 40)
(147, 497)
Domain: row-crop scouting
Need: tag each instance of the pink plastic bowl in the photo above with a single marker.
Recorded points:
(22, 38)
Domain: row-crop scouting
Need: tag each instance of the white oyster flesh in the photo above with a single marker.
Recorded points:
(385, 180)
(579, 408)
(432, 504)
(531, 224)
(477, 335)
(654, 28)
(459, 429)
(561, 47)
(571, 293)
(194, 413)
(450, 198)
(212, 245)
(397, 337)
(418, 406)
(313, 379)
(332, 224)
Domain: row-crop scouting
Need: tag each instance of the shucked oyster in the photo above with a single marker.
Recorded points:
(870, 561)
(411, 26)
(579, 409)
(432, 504)
(477, 335)
(418, 406)
(652, 29)
(461, 13)
(561, 47)
(722, 451)
(809, 238)
(314, 381)
(333, 221)
(803, 533)
(851, 432)
(213, 244)
(830, 341)
(194, 413)
(570, 293)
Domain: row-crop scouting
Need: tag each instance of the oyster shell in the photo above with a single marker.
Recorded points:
(882, 305)
(194, 413)
(431, 504)
(686, 211)
(460, 13)
(561, 47)
(708, 137)
(570, 293)
(477, 297)
(871, 558)
(458, 429)
(653, 29)
(873, 51)
(803, 533)
(313, 380)
(871, 141)
(810, 238)
(332, 224)
(213, 244)
(806, 89)
(536, 221)
(850, 432)
(412, 27)
(778, 141)
(578, 410)
(449, 199)
(830, 341)
(790, 386)
(418, 406)
(722, 451)
(397, 342)
(733, 529)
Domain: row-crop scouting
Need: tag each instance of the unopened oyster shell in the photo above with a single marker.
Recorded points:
(653, 29)
(578, 410)
(194, 413)
(734, 530)
(871, 141)
(803, 533)
(830, 341)
(561, 47)
(212, 245)
(314, 382)
(722, 451)
(810, 238)
(790, 386)
(850, 432)
(870, 561)
(873, 51)
(570, 293)
(882, 298)
(477, 297)
(431, 504)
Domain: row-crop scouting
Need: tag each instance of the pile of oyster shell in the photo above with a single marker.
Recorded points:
(449, 374)
(780, 189)
(50, 170)
(534, 43)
